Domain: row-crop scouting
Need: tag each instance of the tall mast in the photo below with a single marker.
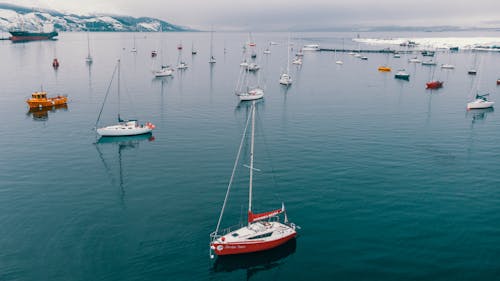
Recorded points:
(88, 44)
(211, 44)
(288, 56)
(251, 160)
(119, 119)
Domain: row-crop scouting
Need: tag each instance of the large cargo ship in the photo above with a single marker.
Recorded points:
(18, 36)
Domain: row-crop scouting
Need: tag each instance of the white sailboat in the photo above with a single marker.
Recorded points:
(244, 91)
(473, 70)
(297, 60)
(267, 51)
(124, 127)
(89, 58)
(193, 50)
(263, 231)
(134, 50)
(285, 78)
(181, 65)
(480, 101)
(448, 65)
(339, 61)
(165, 69)
(212, 58)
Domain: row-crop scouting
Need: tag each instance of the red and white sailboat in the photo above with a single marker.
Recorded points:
(263, 231)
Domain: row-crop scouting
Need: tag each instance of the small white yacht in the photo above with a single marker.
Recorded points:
(164, 71)
(480, 102)
(253, 67)
(285, 79)
(297, 61)
(447, 66)
(253, 94)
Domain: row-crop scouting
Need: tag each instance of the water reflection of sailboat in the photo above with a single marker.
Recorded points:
(479, 114)
(123, 143)
(256, 262)
(42, 113)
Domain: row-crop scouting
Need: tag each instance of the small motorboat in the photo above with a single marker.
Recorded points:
(434, 84)
(267, 51)
(154, 53)
(179, 47)
(498, 81)
(339, 62)
(40, 99)
(384, 69)
(364, 57)
(396, 56)
(55, 63)
(480, 102)
(402, 74)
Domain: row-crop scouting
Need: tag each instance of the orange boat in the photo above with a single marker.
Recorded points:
(40, 99)
(384, 69)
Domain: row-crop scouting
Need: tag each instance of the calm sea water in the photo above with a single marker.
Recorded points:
(388, 181)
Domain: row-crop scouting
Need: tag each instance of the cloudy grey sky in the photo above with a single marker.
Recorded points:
(289, 14)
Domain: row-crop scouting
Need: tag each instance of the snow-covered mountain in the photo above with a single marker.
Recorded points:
(15, 17)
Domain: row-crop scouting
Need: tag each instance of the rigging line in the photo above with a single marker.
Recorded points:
(106, 96)
(232, 174)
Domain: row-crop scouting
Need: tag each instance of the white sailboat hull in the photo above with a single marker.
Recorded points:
(285, 79)
(163, 72)
(129, 128)
(480, 104)
(254, 94)
(121, 130)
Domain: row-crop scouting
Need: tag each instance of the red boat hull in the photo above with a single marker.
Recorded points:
(222, 249)
(434, 85)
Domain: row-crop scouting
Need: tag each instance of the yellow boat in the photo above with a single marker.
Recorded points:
(384, 68)
(40, 99)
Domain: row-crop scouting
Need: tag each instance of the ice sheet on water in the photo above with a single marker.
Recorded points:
(436, 42)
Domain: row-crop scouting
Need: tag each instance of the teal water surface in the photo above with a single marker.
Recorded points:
(387, 180)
